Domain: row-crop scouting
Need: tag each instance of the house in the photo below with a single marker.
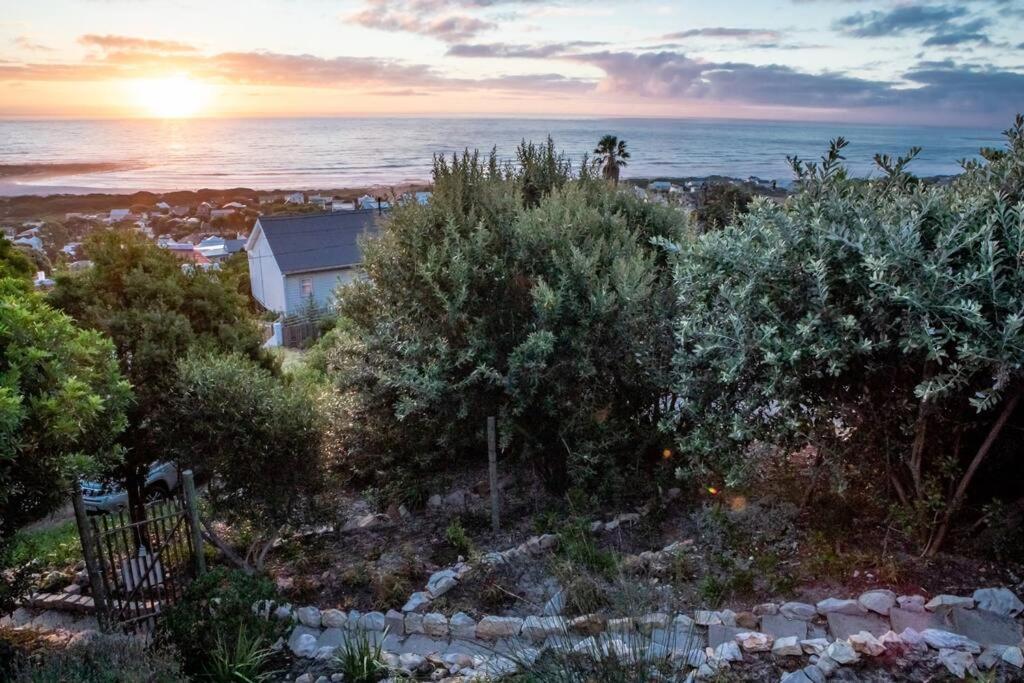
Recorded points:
(338, 205)
(216, 248)
(295, 198)
(220, 213)
(368, 202)
(659, 186)
(71, 248)
(33, 242)
(180, 211)
(117, 215)
(187, 252)
(163, 206)
(233, 205)
(295, 261)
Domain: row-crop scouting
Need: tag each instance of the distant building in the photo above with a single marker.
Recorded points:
(295, 198)
(117, 215)
(338, 205)
(163, 206)
(659, 186)
(187, 252)
(216, 248)
(368, 202)
(220, 213)
(298, 261)
(33, 242)
(233, 205)
(180, 211)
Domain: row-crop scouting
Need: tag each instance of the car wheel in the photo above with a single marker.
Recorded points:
(156, 492)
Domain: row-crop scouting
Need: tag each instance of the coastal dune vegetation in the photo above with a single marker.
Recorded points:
(848, 360)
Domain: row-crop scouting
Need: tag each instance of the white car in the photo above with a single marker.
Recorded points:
(102, 497)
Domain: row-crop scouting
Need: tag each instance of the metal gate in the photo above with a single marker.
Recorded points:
(138, 568)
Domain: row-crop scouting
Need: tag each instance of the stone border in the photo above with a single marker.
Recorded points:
(495, 646)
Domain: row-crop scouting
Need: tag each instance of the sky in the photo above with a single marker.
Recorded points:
(958, 62)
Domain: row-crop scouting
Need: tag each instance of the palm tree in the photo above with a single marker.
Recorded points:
(611, 155)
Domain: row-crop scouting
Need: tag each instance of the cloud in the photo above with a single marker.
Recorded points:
(115, 42)
(26, 43)
(420, 16)
(511, 51)
(898, 20)
(725, 32)
(969, 32)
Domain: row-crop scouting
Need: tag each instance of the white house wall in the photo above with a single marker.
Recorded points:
(265, 279)
(324, 284)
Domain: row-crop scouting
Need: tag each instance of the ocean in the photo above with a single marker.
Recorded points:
(310, 153)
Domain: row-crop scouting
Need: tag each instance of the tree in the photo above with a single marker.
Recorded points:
(541, 302)
(879, 322)
(13, 261)
(721, 204)
(62, 409)
(258, 438)
(611, 155)
(155, 311)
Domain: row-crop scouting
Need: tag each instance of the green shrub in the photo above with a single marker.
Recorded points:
(103, 659)
(878, 320)
(243, 659)
(219, 606)
(521, 292)
(457, 537)
(360, 659)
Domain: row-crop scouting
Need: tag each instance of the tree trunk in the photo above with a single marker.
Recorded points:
(961, 490)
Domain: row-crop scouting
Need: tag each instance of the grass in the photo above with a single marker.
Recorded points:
(360, 660)
(57, 547)
(457, 537)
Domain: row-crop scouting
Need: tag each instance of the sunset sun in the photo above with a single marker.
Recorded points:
(176, 96)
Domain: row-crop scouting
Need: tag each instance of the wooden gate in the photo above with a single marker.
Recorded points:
(138, 568)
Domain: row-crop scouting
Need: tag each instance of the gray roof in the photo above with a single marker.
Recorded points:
(318, 241)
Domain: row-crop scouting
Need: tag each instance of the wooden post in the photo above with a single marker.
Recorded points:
(192, 501)
(492, 461)
(92, 566)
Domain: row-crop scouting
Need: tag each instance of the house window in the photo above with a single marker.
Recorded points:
(306, 287)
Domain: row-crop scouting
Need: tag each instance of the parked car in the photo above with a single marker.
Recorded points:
(103, 497)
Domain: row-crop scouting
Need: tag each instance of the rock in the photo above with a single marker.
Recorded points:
(435, 624)
(827, 665)
(304, 645)
(747, 620)
(866, 644)
(309, 616)
(493, 628)
(752, 641)
(841, 652)
(808, 674)
(455, 499)
(333, 618)
(842, 626)
(708, 618)
(413, 622)
(890, 640)
(728, 652)
(372, 621)
(463, 626)
(958, 663)
(622, 625)
(556, 605)
(587, 624)
(944, 640)
(324, 653)
(989, 657)
(548, 541)
(779, 626)
(417, 602)
(353, 619)
(999, 600)
(982, 626)
(395, 622)
(539, 628)
(441, 582)
(1013, 656)
(434, 501)
(880, 601)
(304, 678)
(72, 589)
(913, 639)
(649, 622)
(836, 606)
(814, 646)
(911, 603)
(766, 608)
(787, 647)
(412, 662)
(943, 602)
(798, 610)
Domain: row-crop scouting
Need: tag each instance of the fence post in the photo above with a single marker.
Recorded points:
(92, 567)
(192, 502)
(492, 462)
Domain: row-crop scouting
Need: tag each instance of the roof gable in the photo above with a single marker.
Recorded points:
(321, 241)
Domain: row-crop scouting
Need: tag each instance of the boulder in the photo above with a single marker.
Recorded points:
(539, 628)
(435, 624)
(841, 652)
(827, 665)
(395, 622)
(766, 608)
(412, 662)
(493, 628)
(880, 601)
(913, 639)
(434, 501)
(303, 646)
(752, 641)
(462, 626)
(372, 621)
(866, 644)
(837, 606)
(944, 640)
(333, 618)
(788, 646)
(587, 624)
(309, 616)
(417, 602)
(1014, 657)
(649, 622)
(413, 622)
(945, 602)
(999, 600)
(747, 620)
(798, 610)
(441, 582)
(911, 603)
(728, 652)
(958, 663)
(814, 646)
(621, 625)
